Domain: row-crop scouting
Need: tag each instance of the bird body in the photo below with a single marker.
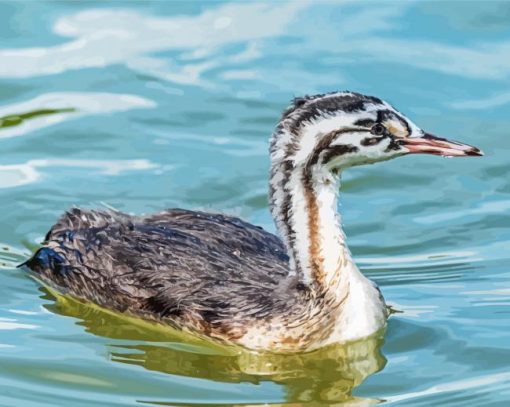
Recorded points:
(220, 277)
(237, 286)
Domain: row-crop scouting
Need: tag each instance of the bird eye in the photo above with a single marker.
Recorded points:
(378, 129)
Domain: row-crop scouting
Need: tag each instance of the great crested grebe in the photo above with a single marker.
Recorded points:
(218, 276)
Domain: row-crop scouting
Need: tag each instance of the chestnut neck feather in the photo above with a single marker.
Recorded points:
(304, 205)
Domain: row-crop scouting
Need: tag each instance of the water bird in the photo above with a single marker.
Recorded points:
(220, 277)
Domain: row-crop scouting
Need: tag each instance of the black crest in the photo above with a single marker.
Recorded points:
(306, 108)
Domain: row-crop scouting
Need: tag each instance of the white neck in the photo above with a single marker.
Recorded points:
(305, 210)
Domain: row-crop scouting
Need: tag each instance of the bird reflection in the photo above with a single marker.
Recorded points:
(326, 375)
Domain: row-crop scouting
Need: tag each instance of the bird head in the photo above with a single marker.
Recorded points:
(344, 129)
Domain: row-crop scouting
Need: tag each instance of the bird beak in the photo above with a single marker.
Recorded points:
(430, 144)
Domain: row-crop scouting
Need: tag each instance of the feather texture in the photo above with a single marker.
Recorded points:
(203, 272)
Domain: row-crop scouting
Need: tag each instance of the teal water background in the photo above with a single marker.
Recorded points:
(148, 105)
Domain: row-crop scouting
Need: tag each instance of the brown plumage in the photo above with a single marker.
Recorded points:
(208, 273)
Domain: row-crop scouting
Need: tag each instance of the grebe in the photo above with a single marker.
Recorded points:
(220, 277)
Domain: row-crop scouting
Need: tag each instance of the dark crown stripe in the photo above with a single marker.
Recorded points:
(308, 108)
(365, 122)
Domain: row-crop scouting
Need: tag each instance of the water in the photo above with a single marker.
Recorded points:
(144, 106)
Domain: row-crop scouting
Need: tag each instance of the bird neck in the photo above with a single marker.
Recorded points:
(304, 205)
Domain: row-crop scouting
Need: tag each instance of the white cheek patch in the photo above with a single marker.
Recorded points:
(317, 128)
(350, 138)
(363, 155)
(378, 151)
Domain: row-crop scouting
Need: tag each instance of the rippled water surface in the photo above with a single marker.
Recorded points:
(144, 106)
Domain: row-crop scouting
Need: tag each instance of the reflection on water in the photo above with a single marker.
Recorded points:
(327, 375)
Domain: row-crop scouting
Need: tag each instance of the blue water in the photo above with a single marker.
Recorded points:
(148, 105)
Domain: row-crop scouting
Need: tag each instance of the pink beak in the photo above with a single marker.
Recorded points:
(430, 144)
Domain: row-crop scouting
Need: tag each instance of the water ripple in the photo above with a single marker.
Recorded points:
(455, 386)
(51, 108)
(105, 37)
(21, 174)
(12, 324)
(485, 208)
(102, 37)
